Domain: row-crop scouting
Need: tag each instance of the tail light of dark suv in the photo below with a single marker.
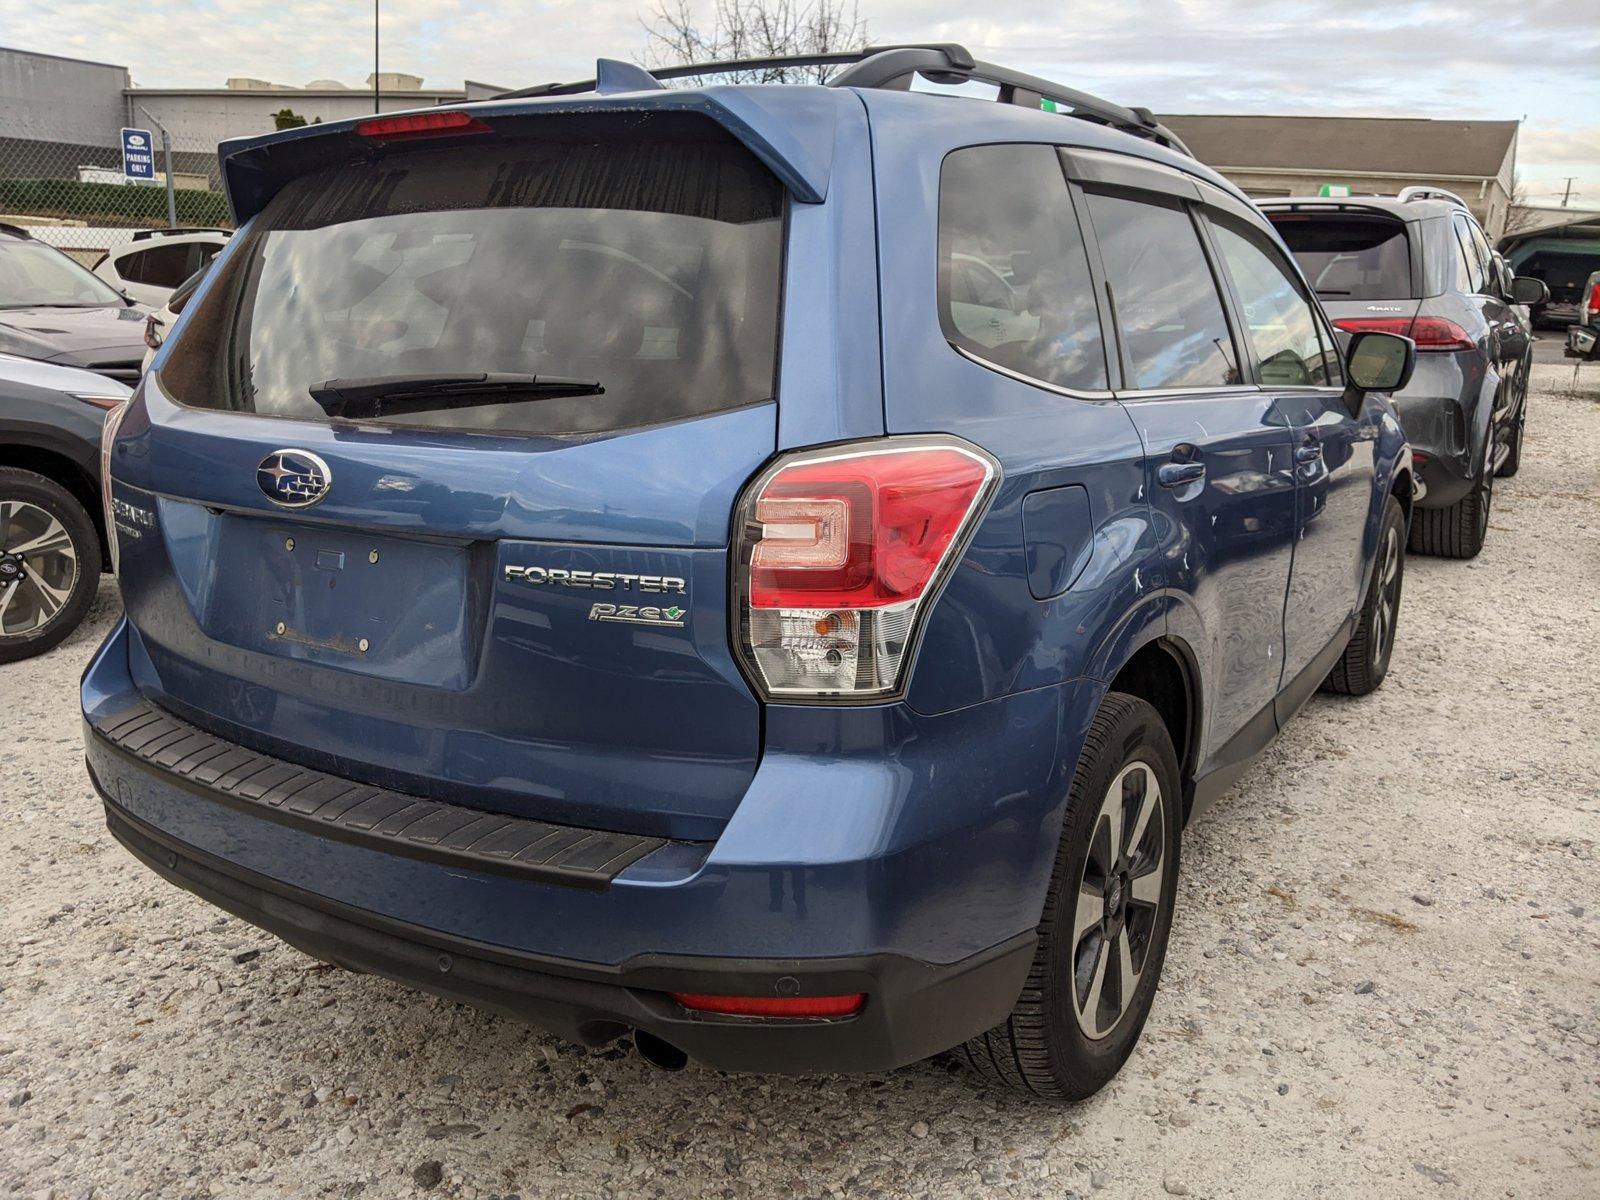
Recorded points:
(1429, 333)
(838, 554)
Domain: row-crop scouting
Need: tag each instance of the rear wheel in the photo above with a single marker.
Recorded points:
(1366, 658)
(49, 564)
(1103, 934)
(1457, 531)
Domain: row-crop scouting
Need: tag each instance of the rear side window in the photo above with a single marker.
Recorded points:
(1350, 257)
(1014, 286)
(1168, 311)
(644, 260)
(161, 266)
(1279, 319)
(1475, 255)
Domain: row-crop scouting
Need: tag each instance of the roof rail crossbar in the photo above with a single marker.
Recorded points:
(690, 70)
(893, 67)
(1427, 192)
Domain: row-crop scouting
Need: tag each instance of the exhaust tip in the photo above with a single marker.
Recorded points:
(658, 1052)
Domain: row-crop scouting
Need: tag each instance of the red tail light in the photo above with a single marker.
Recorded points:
(838, 550)
(773, 1006)
(1592, 305)
(1429, 333)
(1436, 333)
(1396, 325)
(415, 125)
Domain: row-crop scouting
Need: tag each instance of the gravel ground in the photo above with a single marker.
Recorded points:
(1384, 978)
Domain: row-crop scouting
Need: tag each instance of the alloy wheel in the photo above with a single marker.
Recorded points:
(38, 568)
(1383, 622)
(1119, 899)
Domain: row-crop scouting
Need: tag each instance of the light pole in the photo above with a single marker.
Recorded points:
(166, 150)
(375, 55)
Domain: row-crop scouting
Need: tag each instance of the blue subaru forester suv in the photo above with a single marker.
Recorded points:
(771, 569)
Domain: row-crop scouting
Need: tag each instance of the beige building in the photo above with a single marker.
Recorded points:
(1296, 156)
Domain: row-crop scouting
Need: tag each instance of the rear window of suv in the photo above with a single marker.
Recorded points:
(1349, 256)
(645, 262)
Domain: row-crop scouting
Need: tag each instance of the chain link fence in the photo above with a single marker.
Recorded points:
(70, 192)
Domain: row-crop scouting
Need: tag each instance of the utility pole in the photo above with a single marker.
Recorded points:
(1568, 195)
(375, 55)
(166, 151)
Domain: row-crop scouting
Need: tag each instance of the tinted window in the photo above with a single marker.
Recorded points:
(1279, 319)
(1482, 253)
(1014, 284)
(644, 257)
(1349, 257)
(160, 266)
(33, 273)
(1168, 312)
(1470, 276)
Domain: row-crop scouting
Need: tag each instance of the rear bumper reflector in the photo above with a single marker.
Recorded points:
(812, 1007)
(344, 810)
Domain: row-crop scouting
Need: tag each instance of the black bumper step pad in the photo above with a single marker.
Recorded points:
(374, 817)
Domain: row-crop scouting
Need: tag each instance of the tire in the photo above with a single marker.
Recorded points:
(1514, 445)
(1459, 530)
(1365, 661)
(46, 590)
(1045, 1047)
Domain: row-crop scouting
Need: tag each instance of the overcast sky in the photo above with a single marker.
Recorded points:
(1538, 59)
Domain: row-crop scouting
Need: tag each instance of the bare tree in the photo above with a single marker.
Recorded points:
(753, 29)
(1518, 217)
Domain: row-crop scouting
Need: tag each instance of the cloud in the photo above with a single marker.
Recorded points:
(1410, 57)
(1562, 146)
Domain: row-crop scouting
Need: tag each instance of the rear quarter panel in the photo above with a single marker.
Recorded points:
(989, 633)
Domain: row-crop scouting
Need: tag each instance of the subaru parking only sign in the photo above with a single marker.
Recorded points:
(138, 160)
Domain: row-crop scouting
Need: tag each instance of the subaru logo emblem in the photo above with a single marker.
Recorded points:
(293, 478)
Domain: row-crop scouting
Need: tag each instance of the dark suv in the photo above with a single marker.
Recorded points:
(1420, 265)
(767, 568)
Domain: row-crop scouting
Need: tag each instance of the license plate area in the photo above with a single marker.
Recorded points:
(396, 608)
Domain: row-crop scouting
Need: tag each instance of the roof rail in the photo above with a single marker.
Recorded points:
(892, 68)
(1425, 192)
(15, 231)
(141, 234)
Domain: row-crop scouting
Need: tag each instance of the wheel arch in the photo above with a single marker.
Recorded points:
(69, 473)
(1163, 672)
(1402, 487)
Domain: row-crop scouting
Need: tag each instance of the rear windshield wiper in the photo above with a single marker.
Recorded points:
(385, 395)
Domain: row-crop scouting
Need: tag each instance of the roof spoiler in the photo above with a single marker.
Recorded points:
(796, 144)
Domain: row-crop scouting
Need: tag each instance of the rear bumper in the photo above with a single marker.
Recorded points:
(1439, 412)
(914, 1009)
(876, 851)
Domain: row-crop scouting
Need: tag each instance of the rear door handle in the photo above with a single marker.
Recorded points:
(1173, 475)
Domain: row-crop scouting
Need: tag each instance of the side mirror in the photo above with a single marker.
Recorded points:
(1380, 362)
(1525, 289)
